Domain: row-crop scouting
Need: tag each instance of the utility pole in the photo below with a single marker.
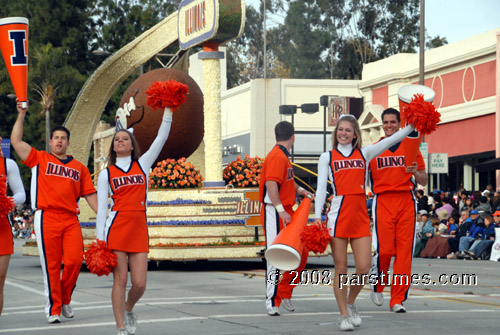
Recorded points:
(422, 42)
(265, 42)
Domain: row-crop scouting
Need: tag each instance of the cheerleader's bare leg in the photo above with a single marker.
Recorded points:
(340, 286)
(120, 273)
(138, 262)
(4, 265)
(361, 248)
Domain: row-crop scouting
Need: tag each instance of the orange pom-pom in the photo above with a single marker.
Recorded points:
(99, 258)
(315, 238)
(169, 93)
(421, 114)
(6, 203)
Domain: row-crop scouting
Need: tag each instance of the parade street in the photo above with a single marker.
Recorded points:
(227, 297)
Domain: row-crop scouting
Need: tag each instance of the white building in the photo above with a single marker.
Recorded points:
(464, 75)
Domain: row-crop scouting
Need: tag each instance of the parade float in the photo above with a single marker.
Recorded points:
(193, 212)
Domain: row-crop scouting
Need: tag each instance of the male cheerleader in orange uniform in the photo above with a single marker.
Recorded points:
(394, 215)
(277, 192)
(57, 183)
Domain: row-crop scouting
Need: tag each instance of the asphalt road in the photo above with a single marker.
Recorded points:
(227, 297)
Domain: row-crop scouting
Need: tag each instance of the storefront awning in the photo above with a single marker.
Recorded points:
(490, 165)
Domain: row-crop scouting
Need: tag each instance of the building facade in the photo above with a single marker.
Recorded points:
(464, 75)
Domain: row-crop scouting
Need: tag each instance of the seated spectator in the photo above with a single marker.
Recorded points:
(446, 206)
(25, 230)
(467, 204)
(496, 218)
(436, 202)
(484, 208)
(462, 196)
(369, 200)
(464, 222)
(15, 229)
(422, 201)
(496, 200)
(422, 217)
(428, 232)
(485, 241)
(452, 225)
(442, 215)
(475, 231)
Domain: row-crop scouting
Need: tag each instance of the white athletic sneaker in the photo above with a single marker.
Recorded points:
(287, 304)
(130, 322)
(273, 311)
(353, 313)
(397, 308)
(377, 298)
(345, 323)
(67, 311)
(121, 331)
(452, 255)
(53, 319)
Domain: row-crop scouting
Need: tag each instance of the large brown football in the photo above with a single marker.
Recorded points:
(187, 129)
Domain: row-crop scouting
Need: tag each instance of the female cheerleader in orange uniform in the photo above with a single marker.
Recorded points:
(125, 229)
(346, 167)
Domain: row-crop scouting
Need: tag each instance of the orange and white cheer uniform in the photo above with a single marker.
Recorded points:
(126, 183)
(277, 167)
(347, 168)
(395, 217)
(10, 170)
(56, 187)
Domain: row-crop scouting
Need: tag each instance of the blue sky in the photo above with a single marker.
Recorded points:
(454, 19)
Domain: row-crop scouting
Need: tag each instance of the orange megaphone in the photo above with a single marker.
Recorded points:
(411, 143)
(286, 250)
(14, 47)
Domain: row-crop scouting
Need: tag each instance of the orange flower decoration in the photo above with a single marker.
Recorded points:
(243, 172)
(171, 173)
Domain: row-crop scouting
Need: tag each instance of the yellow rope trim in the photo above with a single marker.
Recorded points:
(307, 170)
(303, 182)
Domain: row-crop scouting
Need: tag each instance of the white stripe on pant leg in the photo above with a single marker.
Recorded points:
(272, 229)
(39, 233)
(374, 269)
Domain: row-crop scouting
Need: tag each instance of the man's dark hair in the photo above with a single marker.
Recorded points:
(391, 111)
(483, 199)
(59, 128)
(420, 192)
(284, 131)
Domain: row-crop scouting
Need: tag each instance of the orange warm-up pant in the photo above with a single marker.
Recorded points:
(279, 284)
(59, 239)
(394, 218)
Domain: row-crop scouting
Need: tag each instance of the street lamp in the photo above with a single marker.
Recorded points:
(323, 101)
(292, 109)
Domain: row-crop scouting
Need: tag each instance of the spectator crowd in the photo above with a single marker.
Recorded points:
(457, 225)
(21, 220)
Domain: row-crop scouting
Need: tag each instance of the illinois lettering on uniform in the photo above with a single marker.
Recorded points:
(390, 161)
(348, 164)
(62, 171)
(136, 179)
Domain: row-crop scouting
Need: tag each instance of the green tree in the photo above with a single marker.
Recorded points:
(65, 26)
(334, 38)
(301, 43)
(59, 31)
(245, 55)
(435, 42)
